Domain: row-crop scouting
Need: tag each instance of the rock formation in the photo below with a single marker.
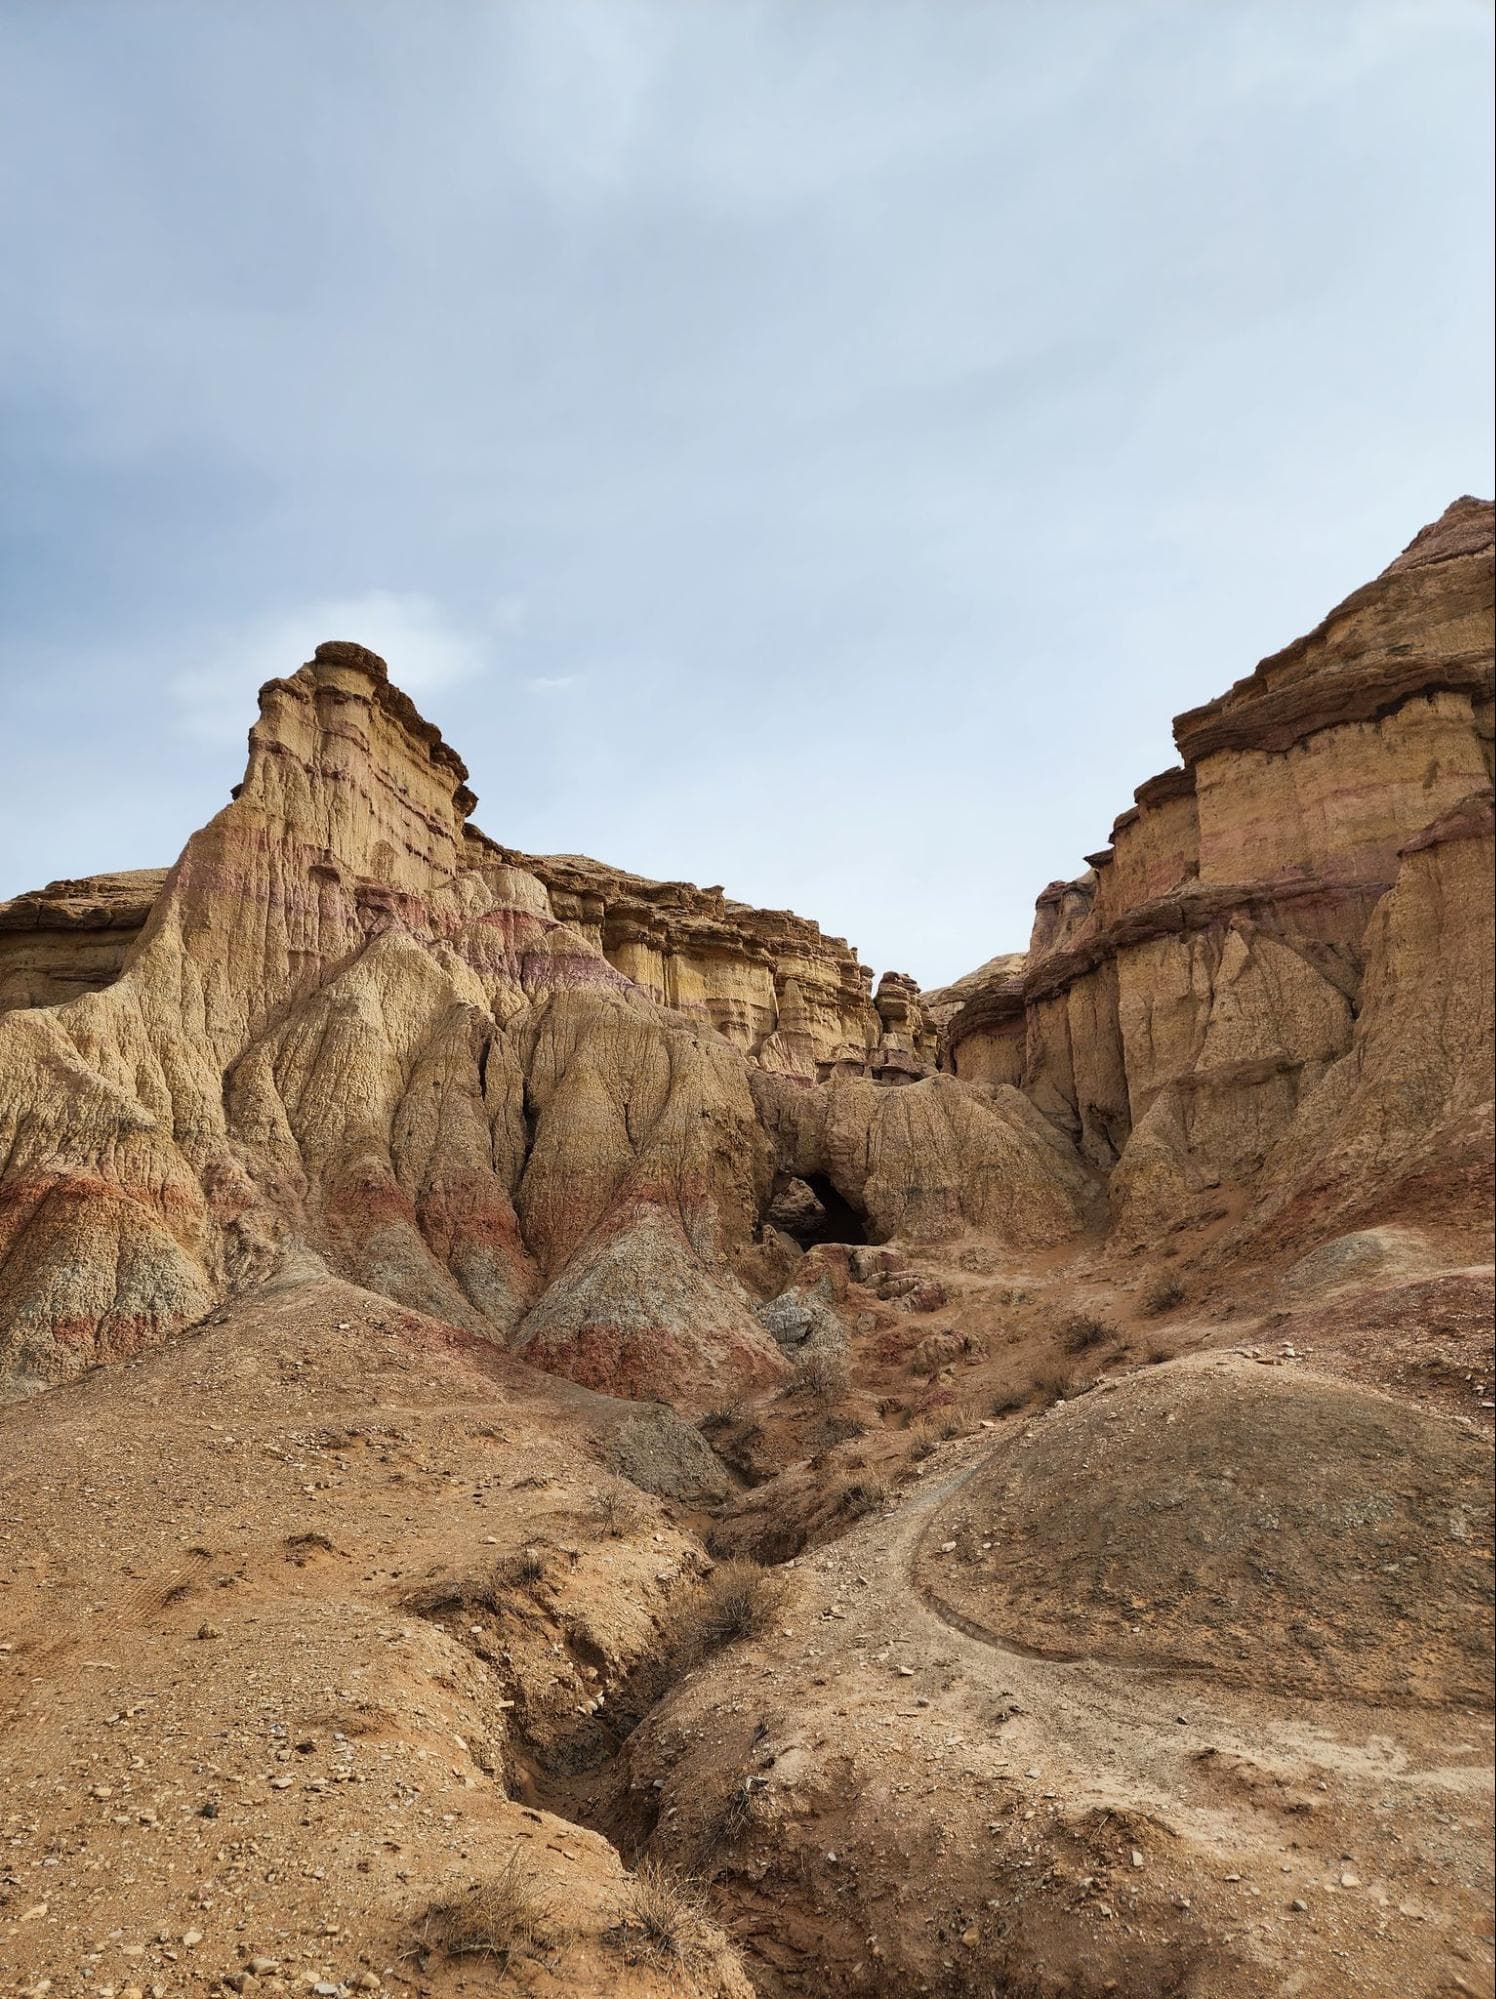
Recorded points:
(513, 1094)
(498, 1260)
(1199, 1009)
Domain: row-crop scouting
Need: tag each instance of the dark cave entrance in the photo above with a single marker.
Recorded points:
(810, 1210)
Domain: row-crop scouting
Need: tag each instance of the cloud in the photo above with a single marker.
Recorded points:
(424, 649)
(552, 683)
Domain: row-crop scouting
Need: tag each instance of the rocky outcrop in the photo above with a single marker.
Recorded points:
(514, 1095)
(71, 937)
(1187, 997)
(768, 981)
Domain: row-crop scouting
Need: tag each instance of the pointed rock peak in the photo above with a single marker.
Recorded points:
(1467, 526)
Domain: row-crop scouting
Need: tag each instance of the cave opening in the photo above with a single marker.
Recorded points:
(811, 1210)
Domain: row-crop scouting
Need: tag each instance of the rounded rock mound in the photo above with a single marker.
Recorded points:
(1274, 1528)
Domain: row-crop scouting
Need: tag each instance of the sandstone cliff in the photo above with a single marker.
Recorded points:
(1198, 1009)
(513, 1094)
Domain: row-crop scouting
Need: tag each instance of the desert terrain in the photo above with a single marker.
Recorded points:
(558, 1438)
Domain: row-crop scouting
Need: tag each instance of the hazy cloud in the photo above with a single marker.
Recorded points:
(429, 654)
(815, 448)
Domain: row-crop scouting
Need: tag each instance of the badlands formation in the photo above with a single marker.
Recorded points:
(556, 1440)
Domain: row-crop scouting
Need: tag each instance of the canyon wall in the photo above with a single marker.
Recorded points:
(518, 1095)
(579, 1113)
(1199, 1009)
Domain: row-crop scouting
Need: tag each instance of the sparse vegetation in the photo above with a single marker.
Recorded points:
(663, 1920)
(504, 1916)
(821, 1372)
(857, 1496)
(1006, 1401)
(738, 1600)
(1162, 1295)
(956, 1419)
(1084, 1331)
(1050, 1385)
(613, 1511)
(922, 1443)
(524, 1567)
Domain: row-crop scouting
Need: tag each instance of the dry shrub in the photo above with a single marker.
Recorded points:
(525, 1566)
(739, 1599)
(1050, 1385)
(1162, 1295)
(957, 1419)
(664, 1920)
(1006, 1401)
(613, 1511)
(822, 1372)
(922, 1442)
(858, 1496)
(1083, 1331)
(505, 1916)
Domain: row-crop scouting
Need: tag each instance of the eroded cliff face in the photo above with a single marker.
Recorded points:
(569, 1109)
(514, 1094)
(1200, 1008)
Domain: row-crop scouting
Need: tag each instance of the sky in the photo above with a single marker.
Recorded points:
(812, 448)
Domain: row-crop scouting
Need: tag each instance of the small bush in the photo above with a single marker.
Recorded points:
(922, 1443)
(1006, 1401)
(739, 1599)
(1162, 1295)
(524, 1567)
(612, 1511)
(1083, 1331)
(505, 1916)
(1050, 1385)
(841, 1429)
(957, 1419)
(859, 1496)
(664, 1920)
(734, 1816)
(822, 1372)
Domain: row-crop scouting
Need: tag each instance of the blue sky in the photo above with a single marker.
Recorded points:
(812, 448)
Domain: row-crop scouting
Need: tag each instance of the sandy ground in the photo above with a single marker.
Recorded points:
(322, 1612)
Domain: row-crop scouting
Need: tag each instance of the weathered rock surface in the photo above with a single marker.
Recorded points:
(71, 936)
(514, 1095)
(1186, 1002)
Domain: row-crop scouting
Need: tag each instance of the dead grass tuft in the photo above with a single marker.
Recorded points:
(1162, 1295)
(664, 1920)
(738, 1600)
(504, 1916)
(858, 1496)
(613, 1511)
(822, 1373)
(1083, 1331)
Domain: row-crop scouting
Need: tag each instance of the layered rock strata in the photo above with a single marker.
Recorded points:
(1186, 1000)
(351, 1029)
(71, 937)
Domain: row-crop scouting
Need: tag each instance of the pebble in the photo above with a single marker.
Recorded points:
(1299, 1904)
(1350, 1880)
(209, 1631)
(1137, 1858)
